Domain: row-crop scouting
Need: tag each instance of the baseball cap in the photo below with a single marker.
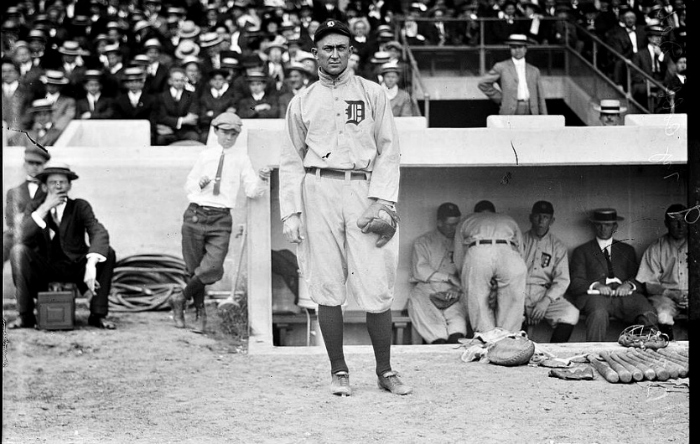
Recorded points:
(331, 27)
(34, 153)
(542, 207)
(448, 209)
(227, 121)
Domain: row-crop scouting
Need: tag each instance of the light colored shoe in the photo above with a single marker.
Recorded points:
(390, 381)
(340, 384)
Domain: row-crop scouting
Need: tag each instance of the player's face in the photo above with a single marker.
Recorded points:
(227, 137)
(677, 227)
(333, 52)
(604, 231)
(448, 227)
(541, 223)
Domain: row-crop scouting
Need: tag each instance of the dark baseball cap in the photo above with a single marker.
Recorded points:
(484, 205)
(331, 27)
(542, 207)
(448, 209)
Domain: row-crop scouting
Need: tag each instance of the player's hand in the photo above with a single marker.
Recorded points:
(292, 229)
(538, 311)
(623, 290)
(90, 277)
(264, 173)
(204, 181)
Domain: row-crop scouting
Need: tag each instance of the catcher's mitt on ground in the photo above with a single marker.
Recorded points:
(515, 349)
(642, 337)
(380, 219)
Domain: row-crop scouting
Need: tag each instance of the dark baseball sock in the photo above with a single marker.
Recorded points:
(454, 338)
(440, 341)
(562, 333)
(330, 319)
(379, 329)
(195, 290)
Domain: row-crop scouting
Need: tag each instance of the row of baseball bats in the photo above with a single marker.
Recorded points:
(635, 364)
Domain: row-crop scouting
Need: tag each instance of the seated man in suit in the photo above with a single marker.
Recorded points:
(95, 105)
(63, 106)
(52, 247)
(178, 111)
(664, 269)
(435, 305)
(602, 279)
(135, 104)
(258, 104)
(19, 197)
(216, 99)
(42, 129)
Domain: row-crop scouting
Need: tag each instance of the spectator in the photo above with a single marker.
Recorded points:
(216, 99)
(360, 40)
(327, 9)
(435, 305)
(401, 104)
(52, 247)
(412, 30)
(602, 279)
(188, 31)
(395, 50)
(521, 91)
(488, 247)
(309, 61)
(19, 197)
(439, 32)
(372, 71)
(186, 48)
(354, 64)
(258, 104)
(676, 82)
(157, 72)
(178, 111)
(63, 107)
(94, 105)
(115, 70)
(15, 96)
(297, 78)
(136, 104)
(651, 60)
(507, 25)
(664, 269)
(535, 27)
(469, 28)
(626, 40)
(210, 42)
(29, 73)
(547, 275)
(610, 112)
(273, 67)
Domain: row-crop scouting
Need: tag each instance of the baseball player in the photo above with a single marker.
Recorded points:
(211, 188)
(547, 275)
(339, 170)
(488, 246)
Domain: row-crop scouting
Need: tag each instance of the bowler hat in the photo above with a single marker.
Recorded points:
(56, 168)
(227, 121)
(331, 27)
(542, 207)
(605, 215)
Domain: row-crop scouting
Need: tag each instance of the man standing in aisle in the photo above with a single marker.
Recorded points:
(339, 169)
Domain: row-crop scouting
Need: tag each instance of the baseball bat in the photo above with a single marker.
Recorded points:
(674, 370)
(682, 367)
(662, 374)
(625, 375)
(603, 368)
(647, 371)
(637, 374)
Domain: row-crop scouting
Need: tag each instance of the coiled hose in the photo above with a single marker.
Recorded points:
(145, 282)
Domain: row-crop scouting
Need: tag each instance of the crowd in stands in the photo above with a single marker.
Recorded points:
(180, 63)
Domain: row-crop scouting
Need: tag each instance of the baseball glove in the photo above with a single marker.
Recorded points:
(642, 337)
(379, 219)
(515, 349)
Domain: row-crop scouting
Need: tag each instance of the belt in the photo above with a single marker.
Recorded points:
(490, 242)
(340, 174)
(206, 209)
(524, 101)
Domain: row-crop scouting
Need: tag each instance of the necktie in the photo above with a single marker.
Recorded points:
(91, 102)
(611, 273)
(54, 216)
(217, 180)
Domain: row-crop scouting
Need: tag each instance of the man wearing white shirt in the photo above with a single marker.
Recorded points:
(603, 281)
(51, 248)
(19, 197)
(520, 89)
(211, 188)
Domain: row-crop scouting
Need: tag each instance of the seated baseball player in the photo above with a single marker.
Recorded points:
(602, 279)
(434, 304)
(547, 275)
(664, 269)
(52, 248)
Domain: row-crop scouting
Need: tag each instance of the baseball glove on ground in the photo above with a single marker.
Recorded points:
(512, 350)
(379, 219)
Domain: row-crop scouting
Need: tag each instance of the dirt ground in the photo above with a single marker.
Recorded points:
(149, 382)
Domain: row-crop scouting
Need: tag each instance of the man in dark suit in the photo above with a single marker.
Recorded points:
(51, 247)
(95, 105)
(258, 104)
(651, 60)
(178, 111)
(42, 126)
(135, 104)
(627, 40)
(521, 91)
(603, 279)
(22, 195)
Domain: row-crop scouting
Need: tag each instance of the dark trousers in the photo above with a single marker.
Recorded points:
(206, 232)
(32, 272)
(8, 240)
(598, 309)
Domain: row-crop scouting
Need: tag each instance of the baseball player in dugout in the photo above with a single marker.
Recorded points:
(434, 304)
(488, 248)
(212, 187)
(603, 282)
(547, 275)
(339, 181)
(52, 248)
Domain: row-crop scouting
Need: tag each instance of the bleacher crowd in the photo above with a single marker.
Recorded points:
(180, 63)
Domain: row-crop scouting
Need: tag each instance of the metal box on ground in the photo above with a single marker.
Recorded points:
(56, 310)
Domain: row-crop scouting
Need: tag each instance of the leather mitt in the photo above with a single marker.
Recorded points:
(379, 219)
